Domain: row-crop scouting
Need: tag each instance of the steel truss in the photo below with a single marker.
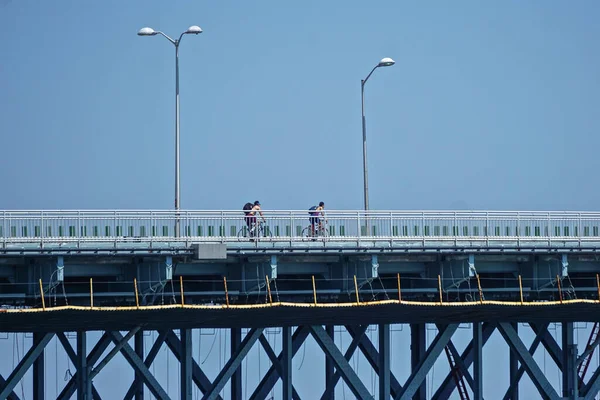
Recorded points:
(338, 363)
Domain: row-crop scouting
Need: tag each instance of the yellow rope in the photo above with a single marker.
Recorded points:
(404, 303)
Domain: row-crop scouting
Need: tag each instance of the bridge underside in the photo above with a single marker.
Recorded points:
(74, 318)
(306, 290)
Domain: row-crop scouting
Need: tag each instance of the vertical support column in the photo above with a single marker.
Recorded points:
(565, 266)
(169, 268)
(569, 370)
(374, 264)
(139, 350)
(84, 386)
(236, 378)
(329, 371)
(472, 270)
(514, 369)
(186, 363)
(38, 370)
(384, 361)
(477, 361)
(287, 362)
(60, 269)
(273, 267)
(417, 353)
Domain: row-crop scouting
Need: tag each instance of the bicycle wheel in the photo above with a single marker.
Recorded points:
(243, 234)
(324, 233)
(306, 234)
(264, 232)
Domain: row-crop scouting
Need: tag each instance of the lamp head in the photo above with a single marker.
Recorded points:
(386, 62)
(147, 32)
(195, 29)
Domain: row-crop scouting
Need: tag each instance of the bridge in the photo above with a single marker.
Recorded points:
(140, 270)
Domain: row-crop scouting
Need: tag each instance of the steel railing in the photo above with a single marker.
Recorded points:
(126, 225)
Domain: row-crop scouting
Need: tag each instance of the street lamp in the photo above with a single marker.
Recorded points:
(194, 29)
(385, 62)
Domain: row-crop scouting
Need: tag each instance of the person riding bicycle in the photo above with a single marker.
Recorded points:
(251, 217)
(317, 214)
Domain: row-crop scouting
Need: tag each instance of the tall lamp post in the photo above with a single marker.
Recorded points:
(385, 62)
(194, 29)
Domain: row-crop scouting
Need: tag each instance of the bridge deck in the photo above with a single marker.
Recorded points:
(481, 227)
(288, 245)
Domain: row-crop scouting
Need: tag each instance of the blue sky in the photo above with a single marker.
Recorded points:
(491, 105)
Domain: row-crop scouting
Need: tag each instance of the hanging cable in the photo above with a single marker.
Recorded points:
(372, 371)
(370, 285)
(153, 364)
(55, 367)
(558, 369)
(571, 289)
(427, 391)
(210, 350)
(245, 375)
(276, 290)
(168, 370)
(68, 373)
(196, 389)
(274, 349)
(179, 369)
(64, 293)
(303, 354)
(343, 383)
(597, 365)
(259, 366)
(258, 282)
(220, 361)
(23, 347)
(454, 284)
(358, 356)
(173, 300)
(52, 288)
(45, 366)
(383, 287)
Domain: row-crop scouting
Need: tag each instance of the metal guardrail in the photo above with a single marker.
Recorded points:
(128, 225)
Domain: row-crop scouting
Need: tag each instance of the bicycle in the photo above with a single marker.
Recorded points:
(257, 231)
(321, 231)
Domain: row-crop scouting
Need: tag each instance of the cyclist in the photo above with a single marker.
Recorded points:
(251, 217)
(317, 215)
